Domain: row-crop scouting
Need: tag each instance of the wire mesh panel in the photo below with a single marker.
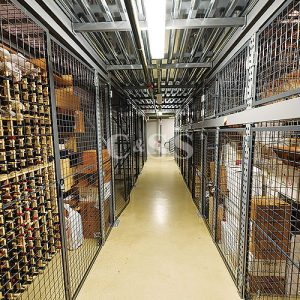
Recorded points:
(232, 83)
(228, 194)
(274, 245)
(210, 104)
(209, 153)
(128, 147)
(278, 70)
(106, 155)
(76, 120)
(31, 264)
(197, 167)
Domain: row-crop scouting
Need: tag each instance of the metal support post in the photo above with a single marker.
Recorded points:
(216, 184)
(251, 72)
(202, 170)
(100, 161)
(110, 145)
(59, 180)
(245, 207)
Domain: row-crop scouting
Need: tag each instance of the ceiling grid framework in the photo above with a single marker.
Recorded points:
(196, 31)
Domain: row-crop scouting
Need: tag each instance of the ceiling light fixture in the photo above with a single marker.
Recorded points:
(156, 20)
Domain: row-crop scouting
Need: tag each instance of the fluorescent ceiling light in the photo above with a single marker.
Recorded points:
(159, 113)
(156, 21)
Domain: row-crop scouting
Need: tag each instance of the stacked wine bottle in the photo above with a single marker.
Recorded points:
(29, 220)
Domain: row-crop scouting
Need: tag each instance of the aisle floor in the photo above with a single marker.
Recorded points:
(161, 248)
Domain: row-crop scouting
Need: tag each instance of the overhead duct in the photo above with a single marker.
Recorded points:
(134, 22)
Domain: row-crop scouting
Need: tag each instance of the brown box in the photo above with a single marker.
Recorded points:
(89, 160)
(66, 100)
(222, 176)
(79, 122)
(71, 144)
(220, 217)
(266, 285)
(90, 215)
(107, 214)
(107, 172)
(270, 223)
(67, 173)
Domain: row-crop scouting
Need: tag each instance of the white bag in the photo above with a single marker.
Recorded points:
(74, 228)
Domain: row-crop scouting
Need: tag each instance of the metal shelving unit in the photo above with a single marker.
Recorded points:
(250, 162)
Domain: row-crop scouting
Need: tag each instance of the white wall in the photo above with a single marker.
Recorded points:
(153, 146)
(152, 137)
(167, 133)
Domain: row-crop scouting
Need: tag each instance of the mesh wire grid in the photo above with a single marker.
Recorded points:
(31, 264)
(105, 120)
(209, 148)
(232, 83)
(210, 99)
(120, 163)
(197, 167)
(76, 121)
(229, 194)
(274, 245)
(278, 71)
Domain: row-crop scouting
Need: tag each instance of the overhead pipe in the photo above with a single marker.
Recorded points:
(134, 22)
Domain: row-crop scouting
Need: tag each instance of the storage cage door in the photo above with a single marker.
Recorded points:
(209, 155)
(75, 96)
(229, 195)
(107, 154)
(273, 270)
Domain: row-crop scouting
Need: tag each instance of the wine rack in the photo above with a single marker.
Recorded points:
(29, 220)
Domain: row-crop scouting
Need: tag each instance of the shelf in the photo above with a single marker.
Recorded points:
(4, 177)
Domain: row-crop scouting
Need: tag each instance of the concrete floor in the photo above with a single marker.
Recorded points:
(161, 249)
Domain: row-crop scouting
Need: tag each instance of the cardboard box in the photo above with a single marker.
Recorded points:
(67, 173)
(107, 214)
(90, 215)
(66, 100)
(266, 285)
(71, 144)
(79, 122)
(222, 176)
(220, 217)
(270, 219)
(89, 160)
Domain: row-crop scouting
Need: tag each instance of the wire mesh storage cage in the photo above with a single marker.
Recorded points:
(208, 181)
(107, 184)
(274, 246)
(232, 83)
(210, 100)
(74, 88)
(278, 70)
(30, 236)
(228, 194)
(197, 167)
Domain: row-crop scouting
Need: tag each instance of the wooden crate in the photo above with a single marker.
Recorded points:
(273, 217)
